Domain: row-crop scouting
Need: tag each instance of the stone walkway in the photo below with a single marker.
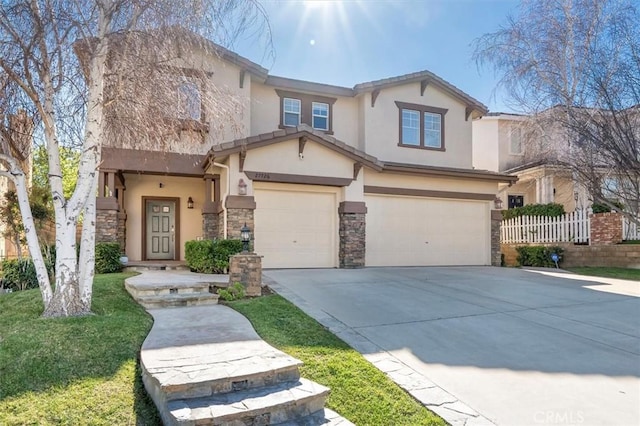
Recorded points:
(205, 364)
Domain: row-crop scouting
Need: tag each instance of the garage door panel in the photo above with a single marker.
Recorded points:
(296, 229)
(414, 231)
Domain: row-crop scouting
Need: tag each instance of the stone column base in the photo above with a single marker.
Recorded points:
(246, 268)
(352, 234)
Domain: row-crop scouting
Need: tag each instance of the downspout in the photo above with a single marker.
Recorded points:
(224, 197)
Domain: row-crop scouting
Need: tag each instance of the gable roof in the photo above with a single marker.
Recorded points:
(305, 131)
(420, 76)
(301, 131)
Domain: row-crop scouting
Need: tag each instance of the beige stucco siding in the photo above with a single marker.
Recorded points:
(283, 157)
(139, 186)
(265, 109)
(485, 144)
(373, 178)
(265, 115)
(382, 124)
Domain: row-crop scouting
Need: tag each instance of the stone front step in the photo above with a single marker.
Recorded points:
(177, 300)
(176, 287)
(324, 417)
(280, 403)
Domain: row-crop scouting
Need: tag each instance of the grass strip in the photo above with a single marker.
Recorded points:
(359, 391)
(72, 371)
(608, 272)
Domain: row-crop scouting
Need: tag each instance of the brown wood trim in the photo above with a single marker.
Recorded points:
(176, 249)
(422, 109)
(300, 179)
(306, 108)
(352, 207)
(423, 86)
(356, 170)
(240, 202)
(374, 97)
(302, 140)
(243, 156)
(467, 113)
(213, 207)
(427, 193)
(242, 73)
(409, 169)
(151, 162)
(107, 203)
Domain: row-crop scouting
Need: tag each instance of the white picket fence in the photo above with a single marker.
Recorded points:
(571, 227)
(630, 231)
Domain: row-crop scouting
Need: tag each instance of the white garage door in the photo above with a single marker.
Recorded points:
(296, 228)
(414, 231)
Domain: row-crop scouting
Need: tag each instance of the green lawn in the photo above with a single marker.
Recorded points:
(359, 391)
(74, 371)
(622, 273)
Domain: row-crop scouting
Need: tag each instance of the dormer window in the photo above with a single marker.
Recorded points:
(303, 108)
(189, 101)
(421, 126)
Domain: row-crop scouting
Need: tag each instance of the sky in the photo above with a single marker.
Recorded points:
(346, 42)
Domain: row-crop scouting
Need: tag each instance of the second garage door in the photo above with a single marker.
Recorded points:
(296, 226)
(417, 231)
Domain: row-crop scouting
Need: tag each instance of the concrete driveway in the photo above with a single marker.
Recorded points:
(485, 345)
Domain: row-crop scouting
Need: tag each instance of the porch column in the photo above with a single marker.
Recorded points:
(107, 208)
(239, 211)
(212, 207)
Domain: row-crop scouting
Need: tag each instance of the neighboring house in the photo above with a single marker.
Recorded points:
(501, 144)
(325, 176)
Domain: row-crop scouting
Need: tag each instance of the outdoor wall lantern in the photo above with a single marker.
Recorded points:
(242, 187)
(245, 236)
(497, 202)
(190, 203)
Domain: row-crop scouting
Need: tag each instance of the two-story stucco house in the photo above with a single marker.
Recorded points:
(503, 142)
(373, 175)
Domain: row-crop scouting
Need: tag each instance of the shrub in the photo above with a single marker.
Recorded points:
(19, 274)
(550, 209)
(235, 292)
(108, 258)
(538, 255)
(603, 208)
(210, 256)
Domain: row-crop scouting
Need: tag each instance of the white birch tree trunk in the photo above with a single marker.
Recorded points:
(17, 176)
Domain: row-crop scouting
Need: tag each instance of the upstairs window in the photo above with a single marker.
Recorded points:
(320, 112)
(189, 101)
(421, 126)
(291, 112)
(410, 127)
(303, 108)
(515, 141)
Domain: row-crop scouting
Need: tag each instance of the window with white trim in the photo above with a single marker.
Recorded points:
(320, 113)
(432, 130)
(410, 127)
(291, 112)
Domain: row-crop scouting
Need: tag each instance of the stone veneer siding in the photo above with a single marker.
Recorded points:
(352, 233)
(496, 222)
(122, 231)
(107, 226)
(246, 268)
(606, 228)
(210, 225)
